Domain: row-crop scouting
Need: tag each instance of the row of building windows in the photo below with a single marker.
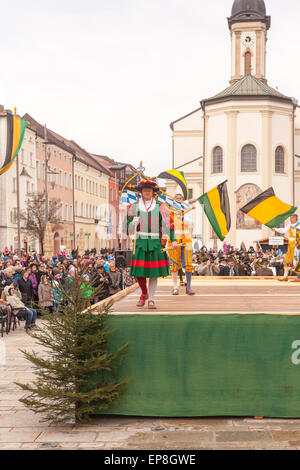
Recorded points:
(63, 179)
(61, 211)
(55, 176)
(88, 211)
(248, 160)
(31, 160)
(90, 187)
(30, 188)
(55, 153)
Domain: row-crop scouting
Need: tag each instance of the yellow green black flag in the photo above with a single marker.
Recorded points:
(178, 177)
(217, 209)
(15, 130)
(267, 209)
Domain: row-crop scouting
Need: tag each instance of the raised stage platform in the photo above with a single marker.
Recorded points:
(231, 350)
(218, 295)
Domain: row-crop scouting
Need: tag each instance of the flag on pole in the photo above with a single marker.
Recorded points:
(267, 209)
(243, 247)
(217, 209)
(128, 197)
(15, 130)
(258, 247)
(177, 177)
(170, 201)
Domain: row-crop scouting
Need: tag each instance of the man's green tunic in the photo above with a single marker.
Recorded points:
(149, 261)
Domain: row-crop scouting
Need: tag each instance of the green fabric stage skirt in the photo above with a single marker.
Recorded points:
(149, 264)
(208, 365)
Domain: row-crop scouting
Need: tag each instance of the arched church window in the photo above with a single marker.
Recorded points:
(217, 163)
(249, 159)
(279, 160)
(248, 68)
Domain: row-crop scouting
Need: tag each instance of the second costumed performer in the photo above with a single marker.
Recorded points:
(149, 222)
(181, 257)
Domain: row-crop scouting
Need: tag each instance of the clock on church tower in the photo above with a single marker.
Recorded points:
(248, 39)
(248, 25)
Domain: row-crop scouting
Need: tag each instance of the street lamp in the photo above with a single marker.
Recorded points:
(119, 171)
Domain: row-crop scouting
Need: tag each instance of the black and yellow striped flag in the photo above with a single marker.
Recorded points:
(217, 209)
(15, 130)
(267, 209)
(178, 177)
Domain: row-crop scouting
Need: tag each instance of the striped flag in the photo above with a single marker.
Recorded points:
(15, 130)
(267, 209)
(128, 197)
(178, 178)
(170, 201)
(217, 209)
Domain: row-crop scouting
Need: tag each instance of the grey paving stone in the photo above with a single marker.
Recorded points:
(242, 436)
(66, 436)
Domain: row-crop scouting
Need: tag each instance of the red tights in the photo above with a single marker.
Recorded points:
(143, 285)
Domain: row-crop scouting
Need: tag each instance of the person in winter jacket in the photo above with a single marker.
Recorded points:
(20, 309)
(45, 293)
(26, 289)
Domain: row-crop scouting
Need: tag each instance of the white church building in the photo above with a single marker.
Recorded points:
(248, 134)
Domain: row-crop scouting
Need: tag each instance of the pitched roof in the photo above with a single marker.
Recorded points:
(183, 117)
(109, 162)
(85, 157)
(51, 136)
(247, 87)
(105, 161)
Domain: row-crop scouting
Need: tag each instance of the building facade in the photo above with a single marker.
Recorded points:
(119, 173)
(81, 190)
(54, 175)
(248, 134)
(91, 183)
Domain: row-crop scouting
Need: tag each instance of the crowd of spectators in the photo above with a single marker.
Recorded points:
(28, 283)
(237, 262)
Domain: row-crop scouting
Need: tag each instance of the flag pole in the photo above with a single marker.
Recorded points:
(140, 171)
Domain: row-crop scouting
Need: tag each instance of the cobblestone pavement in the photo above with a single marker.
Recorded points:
(22, 429)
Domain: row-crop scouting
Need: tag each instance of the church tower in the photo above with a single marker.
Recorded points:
(247, 134)
(248, 26)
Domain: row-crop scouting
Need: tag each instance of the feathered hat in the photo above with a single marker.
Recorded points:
(147, 184)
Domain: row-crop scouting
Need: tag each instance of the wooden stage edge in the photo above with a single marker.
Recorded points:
(218, 296)
(157, 312)
(214, 296)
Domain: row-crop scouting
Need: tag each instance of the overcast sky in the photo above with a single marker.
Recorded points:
(113, 74)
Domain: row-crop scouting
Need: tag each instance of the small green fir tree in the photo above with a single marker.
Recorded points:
(75, 375)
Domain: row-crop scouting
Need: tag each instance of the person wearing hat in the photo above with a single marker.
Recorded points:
(208, 267)
(181, 257)
(263, 269)
(148, 220)
(292, 231)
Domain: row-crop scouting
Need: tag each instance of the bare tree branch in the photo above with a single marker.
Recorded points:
(33, 218)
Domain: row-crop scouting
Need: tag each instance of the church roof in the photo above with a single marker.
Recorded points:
(248, 87)
(248, 6)
(249, 10)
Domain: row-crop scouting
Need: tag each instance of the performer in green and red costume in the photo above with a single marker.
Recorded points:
(149, 222)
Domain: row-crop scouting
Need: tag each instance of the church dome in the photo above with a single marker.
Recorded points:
(249, 10)
(248, 7)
